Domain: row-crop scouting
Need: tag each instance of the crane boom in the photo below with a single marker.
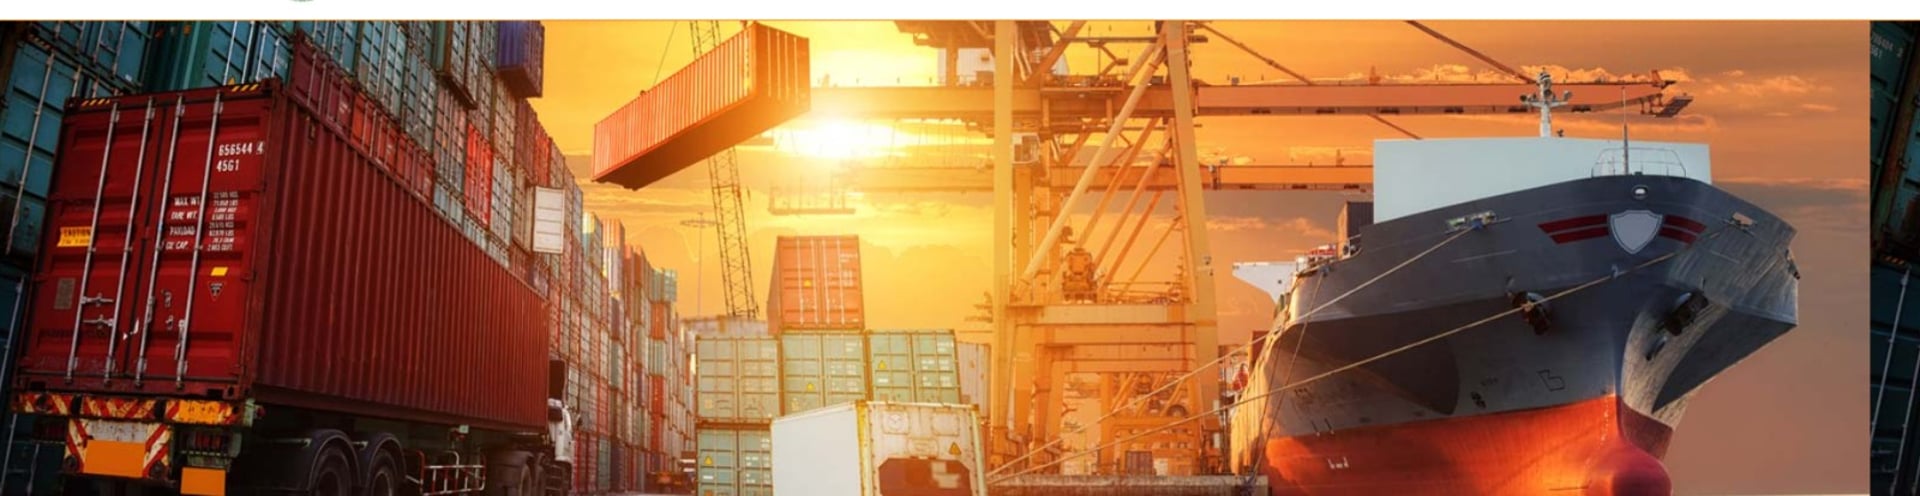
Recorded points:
(723, 172)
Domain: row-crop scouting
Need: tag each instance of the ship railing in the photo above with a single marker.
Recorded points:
(1638, 161)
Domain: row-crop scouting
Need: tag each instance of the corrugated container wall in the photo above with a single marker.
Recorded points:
(285, 249)
(747, 85)
(1896, 193)
(913, 365)
(738, 380)
(735, 462)
(114, 50)
(972, 361)
(38, 86)
(726, 327)
(205, 54)
(521, 60)
(816, 284)
(870, 448)
(819, 369)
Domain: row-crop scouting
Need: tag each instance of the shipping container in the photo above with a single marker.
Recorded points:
(749, 84)
(726, 327)
(340, 40)
(452, 58)
(381, 62)
(820, 369)
(114, 51)
(879, 448)
(738, 380)
(521, 59)
(972, 361)
(735, 462)
(39, 85)
(913, 365)
(290, 238)
(205, 54)
(816, 284)
(420, 101)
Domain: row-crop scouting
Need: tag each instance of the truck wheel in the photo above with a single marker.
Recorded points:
(384, 478)
(509, 474)
(332, 473)
(559, 479)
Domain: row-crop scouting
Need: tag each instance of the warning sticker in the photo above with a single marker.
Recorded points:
(76, 236)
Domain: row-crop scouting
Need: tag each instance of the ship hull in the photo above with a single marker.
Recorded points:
(1581, 405)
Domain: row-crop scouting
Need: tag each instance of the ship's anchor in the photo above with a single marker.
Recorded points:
(1686, 309)
(1533, 309)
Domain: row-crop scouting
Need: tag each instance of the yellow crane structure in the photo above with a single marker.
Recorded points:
(1079, 166)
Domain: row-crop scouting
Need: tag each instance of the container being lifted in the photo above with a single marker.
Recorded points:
(876, 448)
(749, 84)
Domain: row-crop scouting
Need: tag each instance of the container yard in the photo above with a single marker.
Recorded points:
(433, 257)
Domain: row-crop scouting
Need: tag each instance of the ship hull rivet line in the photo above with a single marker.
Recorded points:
(1286, 387)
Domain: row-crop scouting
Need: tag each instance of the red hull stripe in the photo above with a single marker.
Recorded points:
(1683, 236)
(1565, 224)
(1577, 235)
(1685, 223)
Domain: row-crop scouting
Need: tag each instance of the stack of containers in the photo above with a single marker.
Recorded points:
(44, 65)
(815, 306)
(913, 365)
(442, 105)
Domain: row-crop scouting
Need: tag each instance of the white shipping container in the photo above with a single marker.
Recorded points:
(867, 448)
(973, 360)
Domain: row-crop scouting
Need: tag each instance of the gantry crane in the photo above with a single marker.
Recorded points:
(730, 224)
(1062, 303)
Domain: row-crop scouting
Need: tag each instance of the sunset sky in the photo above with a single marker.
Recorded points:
(1783, 105)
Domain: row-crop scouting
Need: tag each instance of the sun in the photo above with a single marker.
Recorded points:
(840, 139)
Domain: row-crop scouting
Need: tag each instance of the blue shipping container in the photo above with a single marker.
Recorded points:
(38, 86)
(114, 49)
(337, 38)
(381, 62)
(189, 55)
(422, 94)
(521, 59)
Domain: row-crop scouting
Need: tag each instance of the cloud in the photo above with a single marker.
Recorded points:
(1734, 73)
(1780, 85)
(1819, 107)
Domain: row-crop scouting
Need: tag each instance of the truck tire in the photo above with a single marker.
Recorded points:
(559, 479)
(383, 478)
(332, 473)
(509, 474)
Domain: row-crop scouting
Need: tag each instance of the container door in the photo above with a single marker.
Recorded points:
(892, 367)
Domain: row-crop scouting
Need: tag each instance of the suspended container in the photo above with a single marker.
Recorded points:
(747, 85)
(521, 58)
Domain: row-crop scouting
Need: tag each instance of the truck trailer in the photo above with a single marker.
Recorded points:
(247, 289)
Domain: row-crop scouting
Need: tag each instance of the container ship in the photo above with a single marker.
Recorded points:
(1622, 281)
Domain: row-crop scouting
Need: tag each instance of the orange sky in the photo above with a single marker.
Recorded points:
(1782, 104)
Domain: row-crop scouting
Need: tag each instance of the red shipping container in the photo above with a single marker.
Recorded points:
(657, 328)
(749, 84)
(479, 175)
(656, 394)
(321, 85)
(318, 282)
(816, 284)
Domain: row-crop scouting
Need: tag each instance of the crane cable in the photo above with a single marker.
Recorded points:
(1375, 358)
(1176, 381)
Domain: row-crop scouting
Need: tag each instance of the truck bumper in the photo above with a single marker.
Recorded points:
(134, 438)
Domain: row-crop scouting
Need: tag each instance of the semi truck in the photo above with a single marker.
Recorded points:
(248, 289)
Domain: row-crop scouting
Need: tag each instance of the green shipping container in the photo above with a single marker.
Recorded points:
(822, 368)
(735, 462)
(739, 380)
(913, 365)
